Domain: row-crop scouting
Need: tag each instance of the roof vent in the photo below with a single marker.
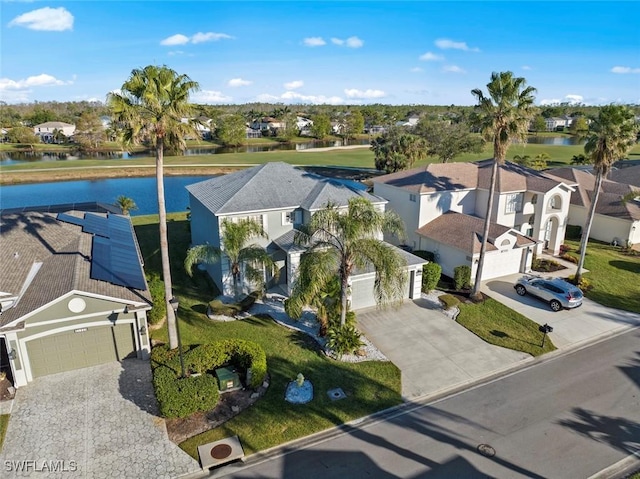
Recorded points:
(16, 255)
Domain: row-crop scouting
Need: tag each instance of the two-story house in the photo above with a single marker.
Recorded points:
(280, 197)
(444, 206)
(47, 131)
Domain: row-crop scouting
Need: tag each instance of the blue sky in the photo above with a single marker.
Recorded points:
(334, 52)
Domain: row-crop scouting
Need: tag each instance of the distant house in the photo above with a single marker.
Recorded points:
(281, 198)
(558, 123)
(252, 132)
(376, 130)
(268, 123)
(444, 205)
(47, 131)
(410, 122)
(304, 125)
(614, 221)
(73, 293)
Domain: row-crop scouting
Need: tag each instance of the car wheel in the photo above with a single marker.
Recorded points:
(555, 305)
(521, 290)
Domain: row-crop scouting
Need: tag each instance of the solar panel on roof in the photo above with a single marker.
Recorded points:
(115, 256)
(74, 220)
(95, 224)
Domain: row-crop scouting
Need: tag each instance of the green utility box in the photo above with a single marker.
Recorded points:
(228, 379)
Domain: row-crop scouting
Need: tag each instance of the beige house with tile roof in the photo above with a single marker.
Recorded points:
(72, 291)
(614, 221)
(444, 204)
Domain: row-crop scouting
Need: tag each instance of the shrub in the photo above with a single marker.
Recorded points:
(249, 300)
(462, 276)
(428, 255)
(569, 257)
(185, 396)
(565, 248)
(344, 340)
(573, 232)
(159, 310)
(584, 285)
(449, 301)
(431, 273)
(219, 308)
(163, 356)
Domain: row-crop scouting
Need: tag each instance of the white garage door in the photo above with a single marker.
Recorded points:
(502, 263)
(362, 293)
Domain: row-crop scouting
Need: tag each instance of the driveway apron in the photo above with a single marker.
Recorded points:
(98, 422)
(433, 352)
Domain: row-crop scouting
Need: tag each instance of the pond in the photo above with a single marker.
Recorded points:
(12, 158)
(557, 140)
(141, 190)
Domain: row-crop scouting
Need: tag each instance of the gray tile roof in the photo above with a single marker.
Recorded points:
(274, 185)
(629, 175)
(460, 176)
(65, 254)
(464, 232)
(609, 201)
(286, 242)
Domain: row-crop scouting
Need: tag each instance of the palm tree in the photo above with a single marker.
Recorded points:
(339, 241)
(242, 256)
(150, 106)
(502, 116)
(126, 204)
(613, 133)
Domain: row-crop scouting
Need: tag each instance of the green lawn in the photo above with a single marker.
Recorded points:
(502, 326)
(614, 275)
(4, 424)
(370, 386)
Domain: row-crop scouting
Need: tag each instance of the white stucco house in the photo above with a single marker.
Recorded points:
(281, 198)
(46, 131)
(614, 221)
(444, 206)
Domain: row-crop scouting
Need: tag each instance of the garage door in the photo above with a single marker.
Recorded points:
(80, 349)
(502, 263)
(362, 293)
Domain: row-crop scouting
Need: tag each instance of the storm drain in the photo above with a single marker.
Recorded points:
(335, 394)
(486, 450)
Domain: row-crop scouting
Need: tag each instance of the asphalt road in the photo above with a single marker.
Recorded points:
(566, 417)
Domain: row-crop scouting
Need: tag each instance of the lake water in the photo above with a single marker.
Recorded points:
(12, 158)
(556, 140)
(141, 190)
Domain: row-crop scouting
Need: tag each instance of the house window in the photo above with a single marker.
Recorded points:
(412, 197)
(514, 203)
(257, 218)
(534, 199)
(555, 203)
(290, 217)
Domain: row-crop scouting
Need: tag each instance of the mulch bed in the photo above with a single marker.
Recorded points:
(5, 394)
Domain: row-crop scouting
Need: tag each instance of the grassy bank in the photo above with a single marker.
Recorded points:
(370, 386)
(4, 424)
(214, 163)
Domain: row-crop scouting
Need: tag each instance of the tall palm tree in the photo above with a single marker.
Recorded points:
(502, 116)
(150, 107)
(235, 246)
(339, 241)
(613, 133)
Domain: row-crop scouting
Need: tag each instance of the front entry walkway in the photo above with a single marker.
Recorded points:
(433, 352)
(98, 422)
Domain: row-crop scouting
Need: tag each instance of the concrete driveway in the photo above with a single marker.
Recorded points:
(570, 326)
(98, 422)
(433, 352)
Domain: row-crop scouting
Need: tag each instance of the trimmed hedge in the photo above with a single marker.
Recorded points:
(431, 273)
(159, 308)
(231, 309)
(428, 255)
(462, 276)
(449, 300)
(181, 397)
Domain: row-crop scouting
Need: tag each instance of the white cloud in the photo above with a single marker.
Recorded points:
(351, 42)
(526, 67)
(177, 39)
(317, 99)
(446, 44)
(209, 37)
(369, 93)
(416, 70)
(574, 98)
(292, 85)
(624, 70)
(175, 52)
(236, 82)
(211, 96)
(266, 98)
(452, 69)
(570, 99)
(314, 41)
(180, 39)
(431, 57)
(47, 19)
(33, 81)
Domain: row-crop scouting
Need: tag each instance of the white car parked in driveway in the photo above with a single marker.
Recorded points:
(555, 291)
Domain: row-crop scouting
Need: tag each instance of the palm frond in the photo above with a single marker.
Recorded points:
(207, 254)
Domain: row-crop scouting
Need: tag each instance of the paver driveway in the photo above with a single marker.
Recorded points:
(98, 422)
(432, 351)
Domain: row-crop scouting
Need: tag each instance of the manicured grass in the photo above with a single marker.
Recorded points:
(4, 424)
(370, 386)
(614, 275)
(497, 324)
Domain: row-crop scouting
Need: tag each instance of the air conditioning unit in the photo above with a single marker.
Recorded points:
(220, 452)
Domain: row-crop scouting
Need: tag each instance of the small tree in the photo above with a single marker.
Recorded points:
(22, 134)
(125, 204)
(431, 273)
(447, 140)
(89, 132)
(231, 130)
(462, 276)
(321, 127)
